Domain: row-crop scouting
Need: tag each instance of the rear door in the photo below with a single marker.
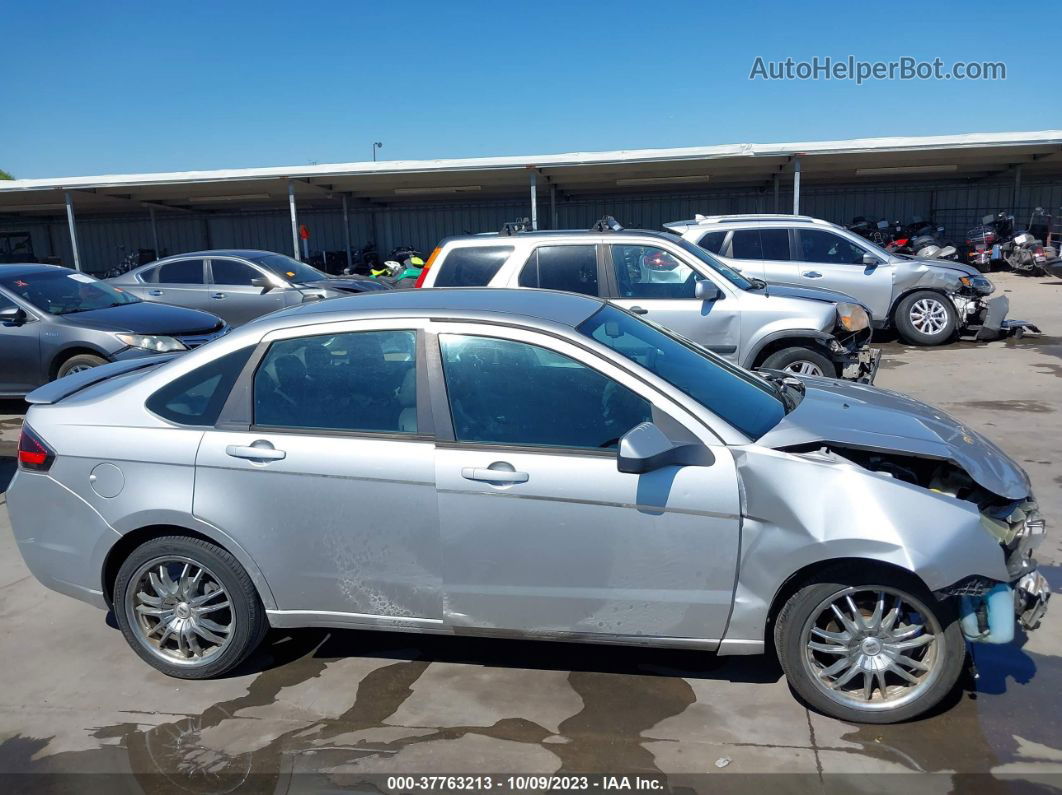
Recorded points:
(572, 267)
(654, 281)
(763, 253)
(20, 353)
(180, 282)
(233, 295)
(826, 259)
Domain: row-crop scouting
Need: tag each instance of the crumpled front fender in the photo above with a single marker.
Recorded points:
(803, 510)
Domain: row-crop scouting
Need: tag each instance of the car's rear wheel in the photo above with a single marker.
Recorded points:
(926, 318)
(187, 607)
(871, 647)
(79, 363)
(799, 360)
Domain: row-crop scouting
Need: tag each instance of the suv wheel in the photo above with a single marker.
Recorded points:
(187, 607)
(926, 318)
(799, 360)
(869, 647)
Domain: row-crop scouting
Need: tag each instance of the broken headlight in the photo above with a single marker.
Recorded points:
(852, 317)
(979, 284)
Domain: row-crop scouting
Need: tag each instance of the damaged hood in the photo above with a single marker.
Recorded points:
(869, 418)
(945, 265)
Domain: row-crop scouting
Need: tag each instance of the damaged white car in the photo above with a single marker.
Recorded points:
(525, 463)
(927, 301)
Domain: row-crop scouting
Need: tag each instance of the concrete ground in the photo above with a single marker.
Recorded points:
(333, 705)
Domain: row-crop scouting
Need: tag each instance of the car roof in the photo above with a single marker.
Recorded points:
(27, 268)
(548, 233)
(747, 218)
(246, 253)
(548, 306)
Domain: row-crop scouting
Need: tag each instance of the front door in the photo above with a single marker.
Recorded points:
(836, 263)
(331, 489)
(234, 297)
(654, 282)
(541, 533)
(20, 354)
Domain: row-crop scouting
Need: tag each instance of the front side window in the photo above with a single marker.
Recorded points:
(182, 271)
(651, 272)
(471, 266)
(818, 245)
(737, 396)
(197, 397)
(570, 268)
(65, 292)
(355, 381)
(232, 273)
(506, 392)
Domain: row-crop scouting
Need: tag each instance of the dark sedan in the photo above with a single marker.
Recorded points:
(237, 284)
(55, 321)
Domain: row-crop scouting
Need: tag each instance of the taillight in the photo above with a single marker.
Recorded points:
(33, 453)
(427, 265)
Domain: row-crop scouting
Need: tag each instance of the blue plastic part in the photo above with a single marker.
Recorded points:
(1000, 608)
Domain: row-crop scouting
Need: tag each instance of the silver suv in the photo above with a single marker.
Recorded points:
(929, 302)
(666, 279)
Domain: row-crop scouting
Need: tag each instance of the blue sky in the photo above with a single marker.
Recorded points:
(105, 87)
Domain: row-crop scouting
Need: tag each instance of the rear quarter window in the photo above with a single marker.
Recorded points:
(471, 266)
(197, 397)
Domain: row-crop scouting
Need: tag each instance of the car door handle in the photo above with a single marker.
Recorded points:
(218, 295)
(253, 453)
(154, 292)
(493, 475)
(812, 274)
(639, 311)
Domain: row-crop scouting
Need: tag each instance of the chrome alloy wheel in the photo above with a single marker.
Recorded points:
(872, 648)
(802, 368)
(929, 316)
(180, 611)
(79, 368)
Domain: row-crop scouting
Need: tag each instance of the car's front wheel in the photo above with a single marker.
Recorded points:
(188, 607)
(79, 363)
(871, 647)
(799, 360)
(926, 318)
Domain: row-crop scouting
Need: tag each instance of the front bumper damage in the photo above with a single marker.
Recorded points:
(986, 318)
(855, 359)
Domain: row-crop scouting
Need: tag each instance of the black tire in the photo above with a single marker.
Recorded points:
(938, 330)
(790, 642)
(792, 357)
(247, 612)
(82, 361)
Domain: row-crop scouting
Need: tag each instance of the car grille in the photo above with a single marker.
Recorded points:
(195, 340)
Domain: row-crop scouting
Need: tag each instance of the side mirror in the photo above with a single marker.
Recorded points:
(264, 283)
(645, 448)
(707, 291)
(12, 316)
(870, 259)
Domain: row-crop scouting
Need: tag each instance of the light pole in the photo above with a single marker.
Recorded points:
(376, 145)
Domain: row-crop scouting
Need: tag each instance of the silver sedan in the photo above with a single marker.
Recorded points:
(529, 463)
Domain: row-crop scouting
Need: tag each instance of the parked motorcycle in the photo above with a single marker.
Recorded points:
(400, 275)
(999, 241)
(363, 259)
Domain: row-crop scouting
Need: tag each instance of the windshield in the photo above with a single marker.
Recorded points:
(63, 292)
(730, 274)
(740, 398)
(290, 269)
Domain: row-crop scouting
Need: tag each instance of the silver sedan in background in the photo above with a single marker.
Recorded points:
(237, 284)
(526, 463)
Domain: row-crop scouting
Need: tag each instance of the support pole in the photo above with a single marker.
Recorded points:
(796, 185)
(553, 206)
(1017, 189)
(346, 233)
(534, 200)
(154, 233)
(294, 221)
(777, 197)
(73, 230)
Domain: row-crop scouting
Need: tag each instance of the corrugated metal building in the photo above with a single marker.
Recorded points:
(953, 180)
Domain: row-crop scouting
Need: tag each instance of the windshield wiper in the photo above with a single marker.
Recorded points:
(790, 390)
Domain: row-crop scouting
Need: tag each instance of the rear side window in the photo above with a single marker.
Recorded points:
(471, 266)
(183, 271)
(570, 268)
(197, 397)
(768, 244)
(746, 244)
(713, 241)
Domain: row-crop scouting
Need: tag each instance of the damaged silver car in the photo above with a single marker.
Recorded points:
(927, 301)
(526, 463)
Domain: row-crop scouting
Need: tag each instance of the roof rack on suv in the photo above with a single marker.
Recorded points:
(607, 224)
(510, 228)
